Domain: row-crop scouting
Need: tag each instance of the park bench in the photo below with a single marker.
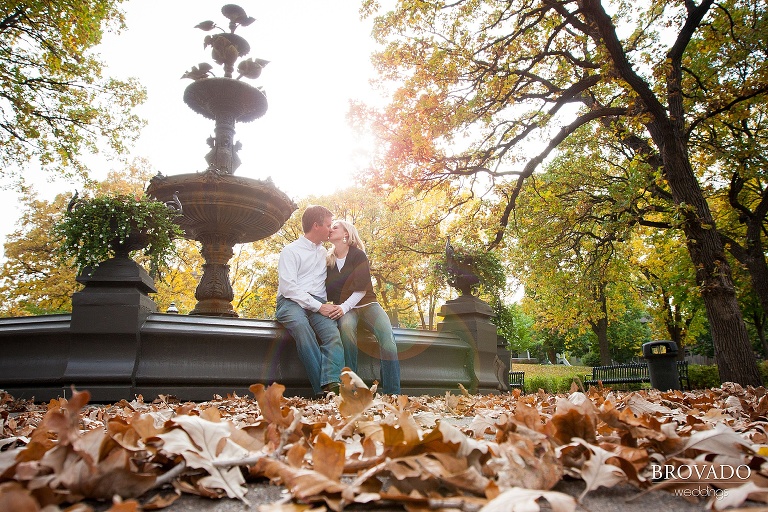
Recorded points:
(631, 373)
(517, 380)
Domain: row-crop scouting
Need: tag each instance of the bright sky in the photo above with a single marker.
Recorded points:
(319, 59)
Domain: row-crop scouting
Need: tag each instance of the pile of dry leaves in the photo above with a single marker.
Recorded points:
(467, 452)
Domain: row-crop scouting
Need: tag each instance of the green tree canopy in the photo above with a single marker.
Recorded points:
(488, 90)
(54, 102)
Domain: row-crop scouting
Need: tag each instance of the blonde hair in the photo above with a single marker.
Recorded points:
(353, 240)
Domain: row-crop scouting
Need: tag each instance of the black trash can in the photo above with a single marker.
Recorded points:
(662, 364)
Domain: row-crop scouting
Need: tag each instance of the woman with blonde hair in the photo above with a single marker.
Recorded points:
(348, 284)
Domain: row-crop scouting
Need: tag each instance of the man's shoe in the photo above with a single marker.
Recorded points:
(331, 387)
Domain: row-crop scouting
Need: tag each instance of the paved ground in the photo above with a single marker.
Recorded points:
(622, 498)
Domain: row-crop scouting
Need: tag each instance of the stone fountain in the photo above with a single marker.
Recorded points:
(117, 346)
(221, 209)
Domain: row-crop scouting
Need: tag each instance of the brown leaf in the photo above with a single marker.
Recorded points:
(638, 427)
(328, 456)
(14, 497)
(597, 471)
(447, 438)
(722, 439)
(303, 483)
(102, 479)
(454, 471)
(295, 455)
(518, 499)
(738, 495)
(526, 459)
(355, 395)
(574, 421)
(271, 403)
(636, 459)
(161, 500)
(202, 443)
(401, 431)
(62, 422)
(252, 438)
(118, 505)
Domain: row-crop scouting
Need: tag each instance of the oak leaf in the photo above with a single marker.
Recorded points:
(202, 443)
(525, 500)
(738, 495)
(355, 395)
(303, 483)
(526, 459)
(271, 402)
(721, 439)
(597, 470)
(571, 421)
(328, 456)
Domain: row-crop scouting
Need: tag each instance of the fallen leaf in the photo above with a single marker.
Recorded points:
(574, 421)
(525, 500)
(203, 443)
(328, 456)
(597, 471)
(736, 496)
(355, 395)
(271, 402)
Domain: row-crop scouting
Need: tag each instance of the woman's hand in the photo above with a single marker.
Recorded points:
(337, 313)
(331, 311)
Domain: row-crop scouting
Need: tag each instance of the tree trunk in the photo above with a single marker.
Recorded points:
(675, 327)
(751, 254)
(758, 272)
(733, 351)
(759, 321)
(666, 124)
(600, 328)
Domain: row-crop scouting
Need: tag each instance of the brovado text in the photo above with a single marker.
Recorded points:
(700, 473)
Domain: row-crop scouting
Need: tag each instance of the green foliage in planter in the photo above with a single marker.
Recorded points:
(92, 228)
(483, 263)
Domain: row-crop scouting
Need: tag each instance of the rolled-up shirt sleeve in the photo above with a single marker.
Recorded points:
(288, 270)
(352, 301)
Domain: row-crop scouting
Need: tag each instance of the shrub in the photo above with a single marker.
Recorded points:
(591, 359)
(763, 367)
(548, 384)
(703, 376)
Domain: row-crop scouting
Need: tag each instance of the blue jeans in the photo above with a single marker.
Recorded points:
(323, 360)
(376, 319)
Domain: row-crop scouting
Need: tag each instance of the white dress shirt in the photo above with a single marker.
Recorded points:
(301, 273)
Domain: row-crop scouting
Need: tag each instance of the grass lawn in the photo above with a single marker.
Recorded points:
(550, 377)
(551, 370)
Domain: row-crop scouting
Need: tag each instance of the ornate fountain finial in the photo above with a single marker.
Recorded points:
(227, 47)
(226, 100)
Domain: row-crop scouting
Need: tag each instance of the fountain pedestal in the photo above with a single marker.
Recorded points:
(115, 297)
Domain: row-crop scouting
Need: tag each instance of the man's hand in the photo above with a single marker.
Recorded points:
(331, 311)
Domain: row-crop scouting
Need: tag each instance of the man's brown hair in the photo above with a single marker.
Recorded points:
(314, 214)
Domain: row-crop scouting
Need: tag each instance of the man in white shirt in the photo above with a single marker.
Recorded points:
(301, 302)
